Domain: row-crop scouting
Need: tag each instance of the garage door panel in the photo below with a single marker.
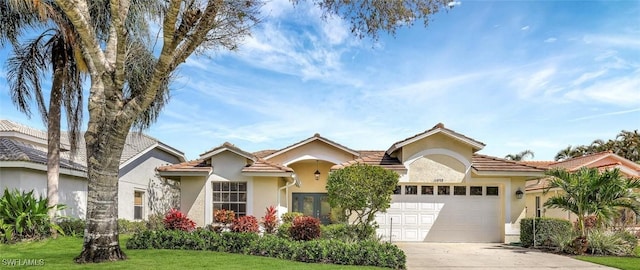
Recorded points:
(443, 219)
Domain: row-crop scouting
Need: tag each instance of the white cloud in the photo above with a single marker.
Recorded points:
(454, 3)
(601, 115)
(589, 76)
(622, 91)
(525, 28)
(528, 85)
(628, 41)
(550, 40)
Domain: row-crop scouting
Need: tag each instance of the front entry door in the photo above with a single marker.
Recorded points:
(314, 205)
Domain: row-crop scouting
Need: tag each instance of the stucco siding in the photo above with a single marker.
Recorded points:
(72, 190)
(140, 175)
(546, 211)
(305, 171)
(313, 150)
(192, 198)
(433, 142)
(434, 167)
(265, 194)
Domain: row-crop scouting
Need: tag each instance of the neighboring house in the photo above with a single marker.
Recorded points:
(535, 196)
(23, 165)
(446, 193)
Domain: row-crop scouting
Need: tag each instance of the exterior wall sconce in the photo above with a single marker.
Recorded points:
(317, 173)
(519, 194)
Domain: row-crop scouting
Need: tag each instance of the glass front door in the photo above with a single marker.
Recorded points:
(313, 205)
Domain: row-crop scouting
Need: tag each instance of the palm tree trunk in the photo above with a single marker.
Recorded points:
(53, 145)
(104, 149)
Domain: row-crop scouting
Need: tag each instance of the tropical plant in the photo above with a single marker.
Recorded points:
(361, 190)
(305, 228)
(591, 192)
(270, 220)
(520, 156)
(54, 50)
(176, 220)
(187, 27)
(245, 224)
(22, 216)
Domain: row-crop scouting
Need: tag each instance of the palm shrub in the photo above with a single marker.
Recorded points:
(589, 192)
(22, 216)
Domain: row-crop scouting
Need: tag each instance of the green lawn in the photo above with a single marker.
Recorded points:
(627, 263)
(59, 254)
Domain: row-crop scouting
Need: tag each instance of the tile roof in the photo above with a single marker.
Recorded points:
(378, 158)
(16, 150)
(198, 165)
(488, 163)
(263, 153)
(135, 144)
(310, 139)
(575, 163)
(264, 166)
(225, 145)
(438, 127)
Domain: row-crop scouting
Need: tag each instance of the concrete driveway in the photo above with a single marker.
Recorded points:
(485, 256)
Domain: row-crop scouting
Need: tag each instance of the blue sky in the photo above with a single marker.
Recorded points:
(516, 75)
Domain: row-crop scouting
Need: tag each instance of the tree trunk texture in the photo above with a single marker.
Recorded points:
(53, 146)
(105, 140)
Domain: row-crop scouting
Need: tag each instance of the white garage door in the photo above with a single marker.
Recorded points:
(443, 214)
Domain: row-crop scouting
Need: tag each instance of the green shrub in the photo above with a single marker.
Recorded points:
(72, 226)
(128, 226)
(283, 230)
(349, 233)
(155, 222)
(319, 251)
(288, 217)
(22, 216)
(610, 243)
(563, 242)
(545, 229)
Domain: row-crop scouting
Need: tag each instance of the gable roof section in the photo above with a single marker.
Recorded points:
(488, 165)
(227, 146)
(315, 137)
(376, 158)
(439, 128)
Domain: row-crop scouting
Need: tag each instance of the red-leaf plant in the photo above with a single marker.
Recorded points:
(176, 220)
(270, 220)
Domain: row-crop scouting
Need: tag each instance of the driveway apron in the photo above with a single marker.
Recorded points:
(485, 256)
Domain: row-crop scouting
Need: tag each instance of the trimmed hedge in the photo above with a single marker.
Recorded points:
(546, 228)
(72, 226)
(314, 251)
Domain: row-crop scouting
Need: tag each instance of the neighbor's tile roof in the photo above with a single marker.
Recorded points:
(15, 150)
(378, 158)
(135, 143)
(489, 163)
(573, 164)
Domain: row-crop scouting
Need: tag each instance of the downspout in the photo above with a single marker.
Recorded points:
(295, 181)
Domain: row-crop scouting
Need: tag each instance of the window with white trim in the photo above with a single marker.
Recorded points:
(138, 204)
(230, 196)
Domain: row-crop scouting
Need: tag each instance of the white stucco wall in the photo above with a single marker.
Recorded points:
(72, 189)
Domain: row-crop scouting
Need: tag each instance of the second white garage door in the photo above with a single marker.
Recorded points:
(443, 214)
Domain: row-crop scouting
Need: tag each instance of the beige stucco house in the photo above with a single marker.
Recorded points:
(536, 197)
(141, 192)
(447, 192)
